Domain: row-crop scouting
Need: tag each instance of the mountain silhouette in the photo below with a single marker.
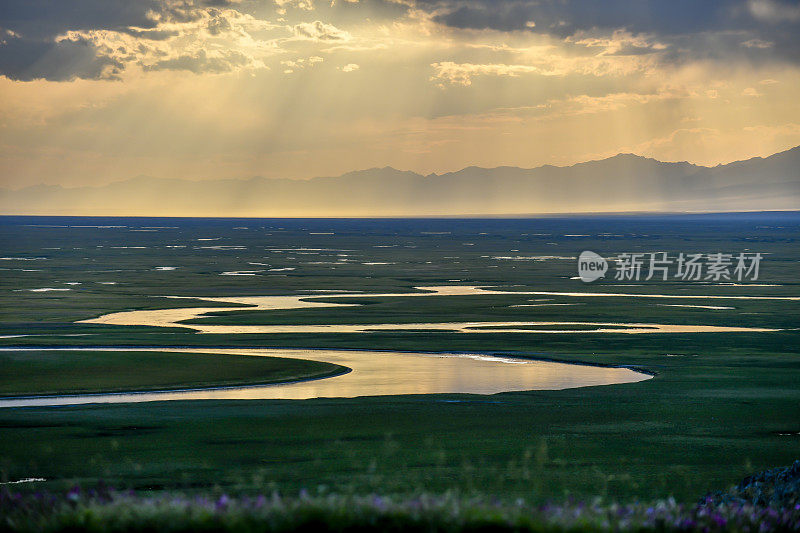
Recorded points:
(621, 183)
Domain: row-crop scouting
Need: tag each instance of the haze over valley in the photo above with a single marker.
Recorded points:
(624, 182)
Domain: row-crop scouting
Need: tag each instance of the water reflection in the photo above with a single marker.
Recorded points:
(379, 374)
(177, 317)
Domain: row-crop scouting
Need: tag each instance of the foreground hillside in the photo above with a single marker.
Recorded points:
(769, 501)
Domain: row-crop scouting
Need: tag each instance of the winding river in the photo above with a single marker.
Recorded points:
(378, 373)
(375, 373)
(177, 317)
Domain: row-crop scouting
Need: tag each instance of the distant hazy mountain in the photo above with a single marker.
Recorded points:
(621, 183)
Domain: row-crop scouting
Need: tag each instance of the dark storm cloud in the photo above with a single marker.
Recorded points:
(220, 3)
(151, 34)
(564, 17)
(28, 31)
(44, 19)
(27, 59)
(756, 30)
(680, 22)
(30, 47)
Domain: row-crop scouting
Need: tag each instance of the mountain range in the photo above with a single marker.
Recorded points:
(622, 183)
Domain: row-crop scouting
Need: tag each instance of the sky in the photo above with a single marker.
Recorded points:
(96, 91)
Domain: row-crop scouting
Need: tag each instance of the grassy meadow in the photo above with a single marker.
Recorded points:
(81, 372)
(719, 407)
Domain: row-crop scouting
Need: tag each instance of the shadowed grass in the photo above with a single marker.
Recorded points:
(102, 509)
(71, 372)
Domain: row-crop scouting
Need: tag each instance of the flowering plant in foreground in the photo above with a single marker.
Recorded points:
(104, 510)
(768, 501)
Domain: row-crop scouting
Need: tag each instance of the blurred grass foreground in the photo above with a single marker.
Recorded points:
(769, 501)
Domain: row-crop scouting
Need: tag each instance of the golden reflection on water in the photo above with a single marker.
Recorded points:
(175, 317)
(381, 374)
(392, 373)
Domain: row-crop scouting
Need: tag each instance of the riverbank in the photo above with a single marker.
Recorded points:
(368, 373)
(53, 373)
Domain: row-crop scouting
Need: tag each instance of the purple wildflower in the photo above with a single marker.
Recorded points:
(74, 494)
(222, 503)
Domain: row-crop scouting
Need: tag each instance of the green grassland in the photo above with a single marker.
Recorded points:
(719, 406)
(72, 372)
(703, 421)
